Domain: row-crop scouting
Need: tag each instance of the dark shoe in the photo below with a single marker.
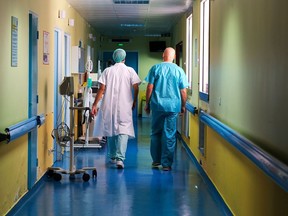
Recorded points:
(155, 165)
(168, 168)
(120, 164)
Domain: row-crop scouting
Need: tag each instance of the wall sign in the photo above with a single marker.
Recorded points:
(45, 47)
(14, 41)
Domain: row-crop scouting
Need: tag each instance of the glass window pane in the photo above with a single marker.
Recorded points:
(204, 47)
(189, 49)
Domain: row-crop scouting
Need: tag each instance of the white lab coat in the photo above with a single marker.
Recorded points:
(115, 113)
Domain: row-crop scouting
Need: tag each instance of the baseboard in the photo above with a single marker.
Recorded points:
(215, 194)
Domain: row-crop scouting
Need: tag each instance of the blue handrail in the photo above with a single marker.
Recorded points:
(191, 108)
(15, 131)
(274, 168)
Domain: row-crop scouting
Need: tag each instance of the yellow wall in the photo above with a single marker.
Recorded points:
(248, 70)
(13, 168)
(240, 79)
(45, 145)
(244, 187)
(14, 87)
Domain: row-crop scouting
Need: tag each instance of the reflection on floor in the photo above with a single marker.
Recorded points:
(135, 191)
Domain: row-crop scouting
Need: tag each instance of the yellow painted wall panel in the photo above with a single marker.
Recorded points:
(194, 137)
(45, 145)
(14, 85)
(246, 189)
(237, 95)
(13, 169)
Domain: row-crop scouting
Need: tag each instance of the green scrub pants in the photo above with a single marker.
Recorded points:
(163, 137)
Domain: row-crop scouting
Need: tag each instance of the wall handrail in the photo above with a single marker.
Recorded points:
(192, 109)
(15, 131)
(271, 166)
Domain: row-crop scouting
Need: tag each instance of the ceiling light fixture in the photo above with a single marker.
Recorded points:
(131, 1)
(152, 35)
(131, 25)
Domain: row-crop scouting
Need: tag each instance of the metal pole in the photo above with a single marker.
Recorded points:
(72, 169)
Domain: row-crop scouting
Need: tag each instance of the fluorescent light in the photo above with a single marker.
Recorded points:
(152, 35)
(131, 1)
(131, 25)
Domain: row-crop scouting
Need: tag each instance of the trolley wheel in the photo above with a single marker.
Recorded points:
(72, 176)
(50, 173)
(94, 173)
(86, 177)
(57, 176)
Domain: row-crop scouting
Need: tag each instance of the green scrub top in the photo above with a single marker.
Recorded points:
(168, 79)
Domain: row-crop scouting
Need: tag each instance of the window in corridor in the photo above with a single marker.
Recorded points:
(189, 49)
(204, 50)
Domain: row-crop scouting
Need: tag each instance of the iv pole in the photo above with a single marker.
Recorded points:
(87, 104)
(56, 172)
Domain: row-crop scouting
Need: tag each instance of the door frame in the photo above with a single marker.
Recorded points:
(33, 99)
(57, 80)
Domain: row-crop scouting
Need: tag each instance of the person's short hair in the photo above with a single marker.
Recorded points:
(119, 55)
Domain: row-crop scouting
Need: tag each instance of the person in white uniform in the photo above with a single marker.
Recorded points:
(115, 112)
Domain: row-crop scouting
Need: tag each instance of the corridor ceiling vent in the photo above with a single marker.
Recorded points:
(131, 1)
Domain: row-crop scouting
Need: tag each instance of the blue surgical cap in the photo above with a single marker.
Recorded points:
(119, 55)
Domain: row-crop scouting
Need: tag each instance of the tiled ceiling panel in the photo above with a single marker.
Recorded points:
(131, 17)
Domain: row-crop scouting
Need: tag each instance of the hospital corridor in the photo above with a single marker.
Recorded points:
(70, 71)
(136, 190)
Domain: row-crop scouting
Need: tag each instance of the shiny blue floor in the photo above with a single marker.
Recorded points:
(135, 191)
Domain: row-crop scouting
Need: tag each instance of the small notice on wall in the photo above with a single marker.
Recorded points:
(45, 47)
(14, 41)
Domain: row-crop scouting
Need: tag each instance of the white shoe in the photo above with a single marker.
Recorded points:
(120, 164)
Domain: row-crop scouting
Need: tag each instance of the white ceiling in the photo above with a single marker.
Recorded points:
(108, 18)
